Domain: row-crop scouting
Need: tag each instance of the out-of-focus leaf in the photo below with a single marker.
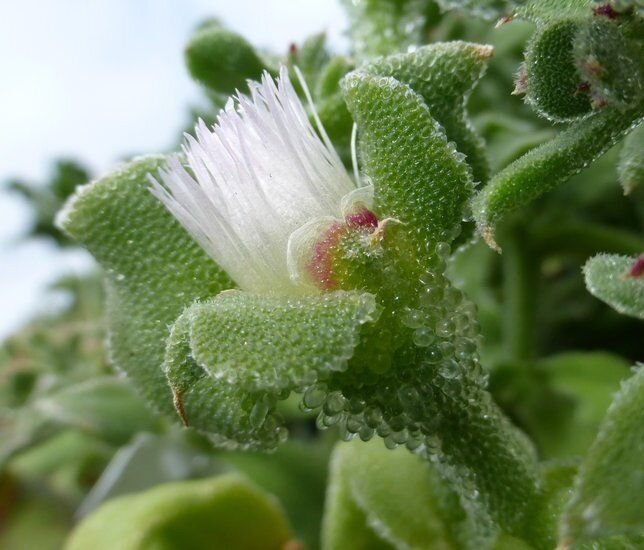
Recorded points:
(588, 381)
(105, 407)
(608, 495)
(401, 498)
(222, 60)
(148, 461)
(609, 278)
(296, 474)
(631, 161)
(221, 513)
(381, 27)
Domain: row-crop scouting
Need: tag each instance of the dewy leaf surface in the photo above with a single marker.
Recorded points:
(153, 269)
(230, 359)
(221, 513)
(553, 83)
(444, 74)
(608, 496)
(418, 175)
(607, 278)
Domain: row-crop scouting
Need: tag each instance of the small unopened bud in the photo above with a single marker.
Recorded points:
(637, 269)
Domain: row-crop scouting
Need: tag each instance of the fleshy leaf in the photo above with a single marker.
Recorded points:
(608, 495)
(153, 269)
(444, 74)
(222, 513)
(553, 85)
(422, 180)
(230, 359)
(401, 498)
(549, 165)
(609, 278)
(631, 161)
(222, 60)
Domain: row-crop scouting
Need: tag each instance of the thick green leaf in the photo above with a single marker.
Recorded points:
(553, 85)
(422, 180)
(549, 165)
(222, 60)
(631, 161)
(230, 359)
(608, 496)
(444, 74)
(222, 513)
(105, 407)
(401, 498)
(153, 269)
(608, 278)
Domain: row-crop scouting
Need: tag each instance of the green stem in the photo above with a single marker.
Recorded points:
(520, 292)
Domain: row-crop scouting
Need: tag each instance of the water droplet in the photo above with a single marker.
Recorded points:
(314, 396)
(423, 337)
(258, 413)
(450, 369)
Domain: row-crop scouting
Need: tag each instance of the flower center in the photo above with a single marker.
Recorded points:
(320, 266)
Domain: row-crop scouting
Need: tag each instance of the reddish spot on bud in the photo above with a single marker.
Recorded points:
(605, 10)
(637, 269)
(292, 49)
(362, 219)
(320, 267)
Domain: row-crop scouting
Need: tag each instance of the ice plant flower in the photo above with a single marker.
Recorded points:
(262, 192)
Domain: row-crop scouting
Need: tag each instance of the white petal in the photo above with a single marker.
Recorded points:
(257, 176)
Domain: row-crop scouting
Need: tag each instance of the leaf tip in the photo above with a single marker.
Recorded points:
(177, 401)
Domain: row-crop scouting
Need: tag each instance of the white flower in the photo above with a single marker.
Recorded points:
(260, 185)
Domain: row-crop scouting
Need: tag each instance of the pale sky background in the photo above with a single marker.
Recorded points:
(100, 79)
